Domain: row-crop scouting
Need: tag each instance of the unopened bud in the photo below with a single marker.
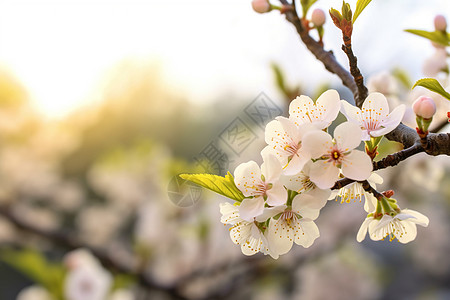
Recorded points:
(440, 23)
(261, 6)
(424, 107)
(318, 17)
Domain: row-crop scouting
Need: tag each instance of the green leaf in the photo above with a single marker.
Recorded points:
(35, 266)
(306, 5)
(433, 85)
(434, 36)
(221, 185)
(360, 6)
(402, 77)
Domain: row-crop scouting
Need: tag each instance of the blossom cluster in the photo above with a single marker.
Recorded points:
(301, 164)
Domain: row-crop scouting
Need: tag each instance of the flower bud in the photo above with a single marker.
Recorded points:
(424, 107)
(440, 23)
(261, 6)
(318, 17)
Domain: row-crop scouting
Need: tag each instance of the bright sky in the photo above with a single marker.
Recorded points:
(61, 50)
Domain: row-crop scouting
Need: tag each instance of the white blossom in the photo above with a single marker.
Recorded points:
(284, 140)
(401, 226)
(246, 234)
(333, 155)
(374, 117)
(321, 113)
(261, 184)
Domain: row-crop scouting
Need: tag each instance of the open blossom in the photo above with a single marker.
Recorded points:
(374, 117)
(262, 185)
(303, 110)
(402, 226)
(302, 184)
(284, 140)
(246, 234)
(333, 155)
(290, 225)
(355, 192)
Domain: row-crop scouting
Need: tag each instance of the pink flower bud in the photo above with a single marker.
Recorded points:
(318, 17)
(440, 23)
(424, 107)
(261, 6)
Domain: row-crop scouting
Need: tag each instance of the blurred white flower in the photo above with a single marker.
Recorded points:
(34, 292)
(86, 279)
(435, 63)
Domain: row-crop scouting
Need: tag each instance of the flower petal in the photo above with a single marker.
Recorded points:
(357, 165)
(420, 219)
(297, 162)
(317, 143)
(306, 233)
(375, 108)
(362, 232)
(280, 239)
(271, 168)
(328, 105)
(301, 109)
(251, 208)
(348, 136)
(247, 176)
(324, 174)
(391, 121)
(230, 213)
(409, 232)
(277, 195)
(351, 112)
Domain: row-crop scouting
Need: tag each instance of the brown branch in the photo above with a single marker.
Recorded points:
(69, 241)
(356, 73)
(393, 159)
(326, 57)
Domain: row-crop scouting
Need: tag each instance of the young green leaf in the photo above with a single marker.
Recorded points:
(434, 36)
(222, 185)
(433, 85)
(360, 5)
(306, 5)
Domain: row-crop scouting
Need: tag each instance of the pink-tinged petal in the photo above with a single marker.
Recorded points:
(307, 201)
(317, 143)
(300, 108)
(408, 234)
(307, 233)
(357, 165)
(271, 168)
(375, 108)
(348, 136)
(324, 174)
(277, 139)
(277, 195)
(390, 122)
(362, 232)
(247, 177)
(297, 162)
(328, 106)
(419, 218)
(251, 208)
(352, 113)
(270, 150)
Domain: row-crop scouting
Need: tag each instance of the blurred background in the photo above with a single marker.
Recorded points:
(103, 103)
